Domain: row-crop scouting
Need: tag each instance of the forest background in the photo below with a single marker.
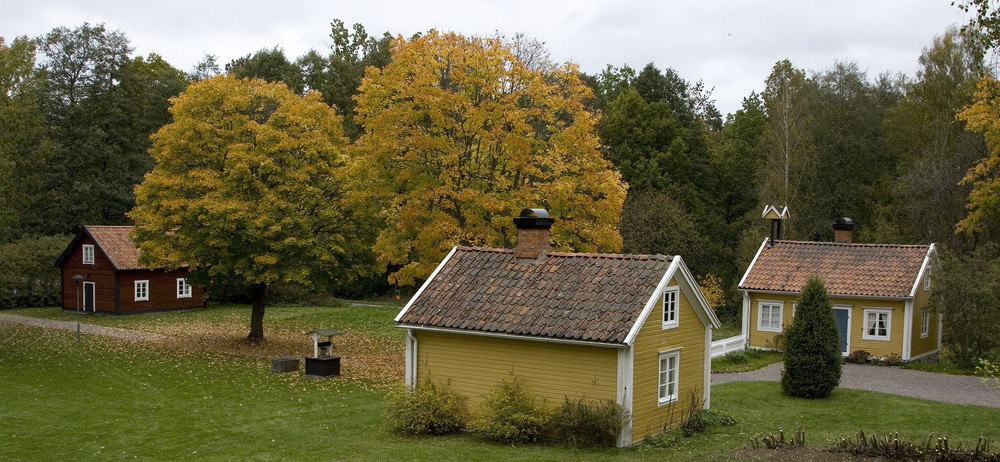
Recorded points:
(890, 151)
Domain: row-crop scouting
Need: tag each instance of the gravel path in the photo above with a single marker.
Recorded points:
(960, 389)
(85, 328)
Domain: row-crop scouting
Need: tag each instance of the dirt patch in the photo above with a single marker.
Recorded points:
(799, 455)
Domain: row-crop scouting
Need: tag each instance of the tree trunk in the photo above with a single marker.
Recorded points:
(258, 296)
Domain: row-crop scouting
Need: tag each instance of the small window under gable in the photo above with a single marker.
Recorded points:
(88, 254)
(927, 279)
(183, 288)
(670, 309)
(878, 324)
(141, 291)
(769, 316)
(669, 362)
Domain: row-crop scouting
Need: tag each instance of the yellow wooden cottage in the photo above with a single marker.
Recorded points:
(880, 292)
(635, 329)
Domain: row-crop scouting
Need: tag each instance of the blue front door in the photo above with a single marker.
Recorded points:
(843, 316)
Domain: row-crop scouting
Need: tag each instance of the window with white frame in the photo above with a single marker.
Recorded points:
(927, 279)
(183, 288)
(669, 362)
(141, 291)
(88, 254)
(877, 324)
(925, 321)
(670, 307)
(769, 316)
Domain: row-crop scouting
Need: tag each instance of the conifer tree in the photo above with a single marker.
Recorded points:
(812, 353)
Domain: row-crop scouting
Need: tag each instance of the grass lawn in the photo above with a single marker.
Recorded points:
(108, 398)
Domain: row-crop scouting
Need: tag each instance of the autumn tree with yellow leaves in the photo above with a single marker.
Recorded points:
(248, 186)
(459, 134)
(984, 200)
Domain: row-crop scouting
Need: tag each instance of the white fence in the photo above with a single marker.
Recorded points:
(721, 347)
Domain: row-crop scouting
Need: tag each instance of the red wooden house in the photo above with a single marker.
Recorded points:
(114, 282)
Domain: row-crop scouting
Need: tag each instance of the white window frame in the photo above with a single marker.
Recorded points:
(142, 290)
(927, 279)
(771, 304)
(183, 288)
(888, 324)
(88, 254)
(925, 322)
(670, 307)
(668, 378)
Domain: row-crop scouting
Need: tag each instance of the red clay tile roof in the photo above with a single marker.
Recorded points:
(117, 245)
(568, 296)
(879, 270)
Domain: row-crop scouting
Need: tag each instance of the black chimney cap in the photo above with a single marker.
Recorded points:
(843, 224)
(533, 219)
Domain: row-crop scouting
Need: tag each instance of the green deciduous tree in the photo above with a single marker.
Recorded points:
(270, 65)
(967, 292)
(27, 276)
(459, 135)
(789, 150)
(935, 150)
(812, 353)
(21, 128)
(248, 186)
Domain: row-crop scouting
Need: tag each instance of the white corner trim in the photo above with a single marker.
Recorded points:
(907, 329)
(424, 286)
(745, 321)
(411, 359)
(624, 398)
(753, 262)
(707, 386)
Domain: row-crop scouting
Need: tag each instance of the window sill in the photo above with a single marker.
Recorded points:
(670, 400)
(769, 329)
(670, 325)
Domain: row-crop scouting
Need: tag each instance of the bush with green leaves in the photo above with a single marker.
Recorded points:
(967, 293)
(28, 276)
(990, 372)
(705, 419)
(427, 409)
(597, 423)
(812, 350)
(512, 416)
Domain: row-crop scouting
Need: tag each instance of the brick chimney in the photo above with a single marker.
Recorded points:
(532, 233)
(843, 230)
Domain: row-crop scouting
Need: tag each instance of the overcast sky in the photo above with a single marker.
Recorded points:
(730, 45)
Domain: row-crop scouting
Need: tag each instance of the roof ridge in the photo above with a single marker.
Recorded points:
(852, 244)
(552, 253)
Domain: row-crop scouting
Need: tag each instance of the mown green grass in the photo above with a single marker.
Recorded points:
(111, 399)
(726, 331)
(942, 367)
(746, 360)
(375, 320)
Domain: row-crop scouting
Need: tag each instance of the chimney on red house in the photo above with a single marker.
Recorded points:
(532, 233)
(843, 230)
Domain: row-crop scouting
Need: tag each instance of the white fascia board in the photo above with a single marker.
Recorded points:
(754, 261)
(511, 336)
(690, 286)
(424, 286)
(931, 252)
(831, 294)
(644, 314)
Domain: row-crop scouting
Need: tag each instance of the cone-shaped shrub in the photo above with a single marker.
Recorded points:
(812, 353)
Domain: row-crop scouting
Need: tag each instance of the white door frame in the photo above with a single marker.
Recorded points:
(93, 296)
(848, 309)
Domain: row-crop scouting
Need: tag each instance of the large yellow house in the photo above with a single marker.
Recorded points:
(635, 329)
(880, 293)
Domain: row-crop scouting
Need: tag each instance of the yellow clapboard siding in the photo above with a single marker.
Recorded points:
(927, 344)
(473, 366)
(764, 339)
(648, 416)
(877, 347)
